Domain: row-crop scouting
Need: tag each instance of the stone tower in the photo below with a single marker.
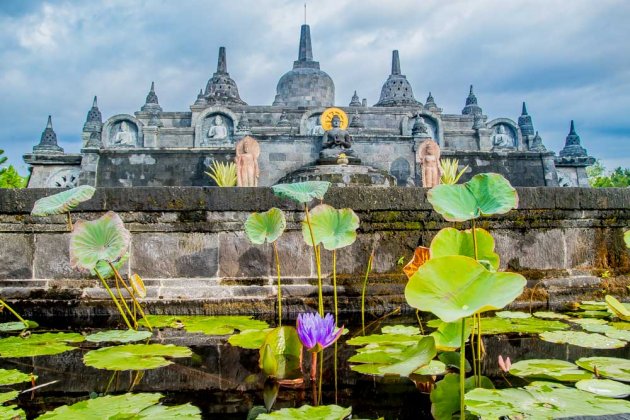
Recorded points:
(471, 107)
(48, 141)
(396, 90)
(306, 84)
(93, 126)
(221, 88)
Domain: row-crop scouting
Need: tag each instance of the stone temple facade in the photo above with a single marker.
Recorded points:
(154, 147)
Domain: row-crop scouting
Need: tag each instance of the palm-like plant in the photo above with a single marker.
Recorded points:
(449, 168)
(224, 174)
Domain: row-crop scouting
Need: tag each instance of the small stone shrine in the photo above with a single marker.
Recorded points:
(302, 136)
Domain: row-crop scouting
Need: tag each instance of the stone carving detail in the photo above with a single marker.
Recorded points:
(247, 171)
(355, 101)
(64, 178)
(124, 134)
(243, 123)
(314, 125)
(337, 140)
(429, 159)
(401, 170)
(216, 130)
(420, 128)
(356, 122)
(537, 145)
(284, 120)
(501, 139)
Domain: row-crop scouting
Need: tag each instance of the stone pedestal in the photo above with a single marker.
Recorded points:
(342, 175)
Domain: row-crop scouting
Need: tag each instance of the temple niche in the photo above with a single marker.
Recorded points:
(314, 125)
(122, 132)
(217, 131)
(423, 126)
(401, 170)
(503, 137)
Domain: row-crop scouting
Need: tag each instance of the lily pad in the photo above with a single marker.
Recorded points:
(249, 339)
(618, 334)
(451, 360)
(102, 239)
(448, 335)
(400, 329)
(597, 328)
(265, 227)
(590, 314)
(621, 325)
(604, 387)
(608, 367)
(550, 315)
(302, 192)
(420, 256)
(450, 241)
(38, 344)
(582, 339)
(485, 194)
(362, 340)
(454, 287)
(62, 202)
(126, 406)
(585, 321)
(618, 308)
(592, 305)
(433, 368)
(14, 376)
(494, 325)
(395, 360)
(332, 228)
(17, 326)
(209, 325)
(118, 336)
(11, 411)
(512, 314)
(134, 356)
(557, 370)
(413, 358)
(307, 412)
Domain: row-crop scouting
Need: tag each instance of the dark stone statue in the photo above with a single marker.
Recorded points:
(336, 141)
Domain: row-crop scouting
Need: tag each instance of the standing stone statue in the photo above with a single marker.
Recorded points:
(218, 131)
(247, 172)
(429, 158)
(125, 137)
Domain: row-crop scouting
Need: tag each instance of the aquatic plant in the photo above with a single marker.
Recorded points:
(368, 270)
(44, 344)
(224, 174)
(15, 326)
(208, 324)
(63, 202)
(307, 412)
(134, 356)
(604, 387)
(449, 170)
(317, 333)
(280, 354)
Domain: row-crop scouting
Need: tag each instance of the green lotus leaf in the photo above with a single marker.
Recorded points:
(598, 328)
(307, 412)
(582, 339)
(281, 349)
(626, 238)
(433, 368)
(618, 334)
(549, 315)
(540, 403)
(8, 396)
(483, 195)
(445, 395)
(11, 411)
(105, 270)
(494, 325)
(267, 226)
(331, 227)
(396, 359)
(209, 325)
(17, 326)
(38, 344)
(413, 358)
(302, 192)
(618, 308)
(400, 329)
(362, 340)
(451, 360)
(512, 314)
(449, 241)
(126, 406)
(14, 376)
(556, 370)
(590, 314)
(591, 305)
(448, 335)
(134, 356)
(455, 287)
(249, 339)
(380, 356)
(604, 387)
(102, 239)
(621, 325)
(585, 321)
(118, 336)
(62, 202)
(608, 367)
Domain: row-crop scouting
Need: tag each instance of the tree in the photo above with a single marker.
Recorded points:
(9, 176)
(597, 177)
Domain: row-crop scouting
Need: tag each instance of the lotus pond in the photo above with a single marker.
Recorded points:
(461, 353)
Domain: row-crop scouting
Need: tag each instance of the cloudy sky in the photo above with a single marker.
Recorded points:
(567, 59)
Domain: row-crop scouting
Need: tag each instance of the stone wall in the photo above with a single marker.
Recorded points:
(189, 246)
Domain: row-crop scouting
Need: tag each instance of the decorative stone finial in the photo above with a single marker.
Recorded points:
(243, 123)
(536, 144)
(430, 104)
(396, 90)
(94, 119)
(151, 104)
(364, 103)
(471, 107)
(525, 123)
(420, 128)
(221, 88)
(355, 101)
(201, 99)
(305, 52)
(572, 147)
(48, 141)
(356, 122)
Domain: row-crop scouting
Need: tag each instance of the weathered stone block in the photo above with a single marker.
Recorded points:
(52, 257)
(533, 249)
(238, 257)
(16, 256)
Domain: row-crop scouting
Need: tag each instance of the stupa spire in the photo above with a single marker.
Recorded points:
(471, 108)
(525, 122)
(396, 90)
(524, 111)
(395, 63)
(221, 88)
(305, 52)
(151, 104)
(222, 61)
(572, 146)
(48, 141)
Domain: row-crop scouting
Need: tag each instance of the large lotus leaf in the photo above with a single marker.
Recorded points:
(284, 341)
(267, 226)
(8, 396)
(134, 356)
(331, 227)
(445, 395)
(618, 308)
(582, 339)
(483, 195)
(413, 358)
(592, 305)
(456, 286)
(537, 402)
(590, 314)
(618, 334)
(302, 192)
(118, 336)
(558, 370)
(451, 359)
(62, 202)
(420, 256)
(11, 411)
(249, 339)
(608, 367)
(586, 321)
(549, 315)
(448, 336)
(604, 387)
(451, 241)
(38, 344)
(433, 368)
(126, 406)
(307, 412)
(17, 326)
(397, 359)
(209, 325)
(281, 352)
(102, 239)
(14, 376)
(597, 328)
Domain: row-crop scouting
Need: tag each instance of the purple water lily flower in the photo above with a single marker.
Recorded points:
(317, 333)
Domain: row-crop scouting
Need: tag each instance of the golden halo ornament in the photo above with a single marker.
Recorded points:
(327, 117)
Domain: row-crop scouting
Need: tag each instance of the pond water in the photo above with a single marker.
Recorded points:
(225, 382)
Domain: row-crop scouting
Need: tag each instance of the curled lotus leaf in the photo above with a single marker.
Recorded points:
(450, 241)
(618, 308)
(607, 367)
(455, 287)
(104, 239)
(14, 376)
(39, 344)
(267, 226)
(420, 256)
(556, 370)
(105, 270)
(307, 412)
(118, 336)
(281, 352)
(332, 228)
(249, 339)
(134, 356)
(62, 202)
(483, 195)
(604, 387)
(582, 339)
(448, 335)
(139, 289)
(302, 192)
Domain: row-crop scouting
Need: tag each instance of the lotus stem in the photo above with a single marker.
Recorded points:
(335, 371)
(479, 345)
(110, 382)
(419, 321)
(318, 264)
(111, 294)
(462, 371)
(69, 221)
(364, 289)
(319, 384)
(313, 366)
(334, 267)
(133, 297)
(124, 302)
(22, 320)
(275, 253)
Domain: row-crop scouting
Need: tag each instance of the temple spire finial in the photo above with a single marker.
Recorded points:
(305, 13)
(524, 111)
(571, 130)
(306, 50)
(471, 91)
(395, 63)
(222, 62)
(49, 123)
(95, 102)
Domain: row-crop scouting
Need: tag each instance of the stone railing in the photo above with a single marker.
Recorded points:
(189, 247)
